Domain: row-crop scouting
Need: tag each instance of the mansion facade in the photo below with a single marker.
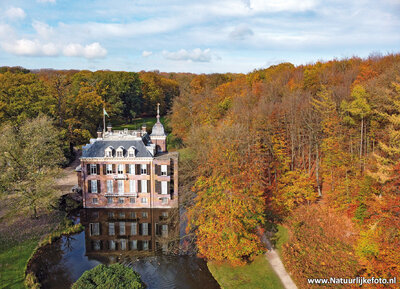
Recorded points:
(129, 169)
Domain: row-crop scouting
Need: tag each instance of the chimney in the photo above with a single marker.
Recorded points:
(99, 132)
(109, 127)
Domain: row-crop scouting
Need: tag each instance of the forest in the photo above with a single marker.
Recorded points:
(312, 147)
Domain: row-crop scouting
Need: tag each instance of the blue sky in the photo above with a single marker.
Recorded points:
(192, 36)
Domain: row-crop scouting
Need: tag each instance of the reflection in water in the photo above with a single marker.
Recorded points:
(145, 239)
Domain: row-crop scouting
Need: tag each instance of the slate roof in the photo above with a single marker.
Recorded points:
(97, 149)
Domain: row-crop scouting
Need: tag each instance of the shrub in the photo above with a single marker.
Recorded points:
(114, 276)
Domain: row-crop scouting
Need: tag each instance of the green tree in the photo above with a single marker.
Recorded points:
(115, 276)
(29, 160)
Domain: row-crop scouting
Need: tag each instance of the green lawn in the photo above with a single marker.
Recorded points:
(281, 237)
(12, 262)
(256, 275)
(138, 122)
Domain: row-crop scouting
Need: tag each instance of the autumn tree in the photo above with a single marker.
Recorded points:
(29, 163)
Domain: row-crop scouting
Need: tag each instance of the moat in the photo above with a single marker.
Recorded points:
(147, 240)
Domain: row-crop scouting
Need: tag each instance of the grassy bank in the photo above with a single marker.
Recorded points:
(281, 237)
(256, 275)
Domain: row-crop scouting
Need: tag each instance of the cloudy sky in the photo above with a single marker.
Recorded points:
(192, 36)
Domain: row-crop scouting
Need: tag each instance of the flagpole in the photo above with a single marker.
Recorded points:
(104, 120)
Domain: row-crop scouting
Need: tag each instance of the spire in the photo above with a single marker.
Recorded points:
(158, 112)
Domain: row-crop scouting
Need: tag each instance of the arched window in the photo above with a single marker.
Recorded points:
(109, 152)
(120, 152)
(132, 152)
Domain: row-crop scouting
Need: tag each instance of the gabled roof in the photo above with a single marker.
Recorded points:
(97, 149)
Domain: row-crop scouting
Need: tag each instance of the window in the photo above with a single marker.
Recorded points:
(132, 200)
(133, 214)
(132, 186)
(164, 170)
(122, 215)
(132, 169)
(164, 214)
(93, 185)
(111, 245)
(131, 152)
(144, 186)
(144, 200)
(164, 201)
(110, 215)
(111, 229)
(145, 215)
(120, 187)
(164, 188)
(145, 229)
(108, 153)
(120, 200)
(120, 169)
(110, 186)
(94, 229)
(123, 244)
(133, 244)
(96, 245)
(93, 169)
(122, 228)
(164, 230)
(133, 228)
(143, 169)
(95, 200)
(120, 152)
(109, 169)
(145, 245)
(109, 200)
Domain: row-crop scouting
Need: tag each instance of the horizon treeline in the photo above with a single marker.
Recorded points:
(313, 147)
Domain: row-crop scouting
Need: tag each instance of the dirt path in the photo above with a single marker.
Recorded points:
(69, 177)
(277, 265)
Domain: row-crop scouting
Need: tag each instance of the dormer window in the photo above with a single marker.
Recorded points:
(109, 152)
(131, 152)
(120, 152)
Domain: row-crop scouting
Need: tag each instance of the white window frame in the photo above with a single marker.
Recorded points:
(123, 243)
(111, 229)
(93, 186)
(109, 170)
(93, 169)
(133, 229)
(145, 247)
(110, 200)
(143, 169)
(132, 186)
(133, 244)
(121, 200)
(131, 152)
(120, 169)
(111, 245)
(164, 201)
(131, 169)
(94, 229)
(144, 200)
(108, 153)
(120, 153)
(164, 170)
(122, 228)
(144, 186)
(110, 186)
(121, 188)
(164, 188)
(145, 229)
(132, 200)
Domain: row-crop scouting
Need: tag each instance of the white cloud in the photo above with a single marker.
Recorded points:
(94, 50)
(195, 55)
(281, 5)
(26, 47)
(241, 32)
(146, 53)
(46, 1)
(15, 13)
(42, 29)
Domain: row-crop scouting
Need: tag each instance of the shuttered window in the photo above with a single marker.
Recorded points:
(93, 185)
(132, 169)
(144, 200)
(145, 245)
(120, 169)
(110, 186)
(120, 187)
(109, 170)
(145, 229)
(143, 169)
(133, 229)
(122, 228)
(132, 186)
(111, 229)
(94, 229)
(93, 169)
(144, 186)
(111, 245)
(164, 188)
(164, 169)
(123, 244)
(133, 244)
